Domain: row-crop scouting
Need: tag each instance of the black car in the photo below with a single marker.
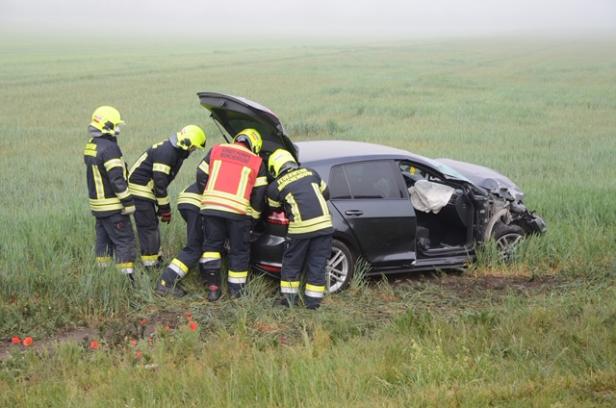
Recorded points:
(396, 210)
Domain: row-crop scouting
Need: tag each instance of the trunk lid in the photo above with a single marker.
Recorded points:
(235, 113)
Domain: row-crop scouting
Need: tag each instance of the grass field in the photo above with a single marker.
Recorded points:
(540, 332)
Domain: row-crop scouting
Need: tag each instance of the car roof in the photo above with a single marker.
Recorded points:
(343, 150)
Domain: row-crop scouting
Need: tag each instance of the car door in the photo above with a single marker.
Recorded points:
(372, 198)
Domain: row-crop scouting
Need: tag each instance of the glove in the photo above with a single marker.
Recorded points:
(128, 210)
(165, 217)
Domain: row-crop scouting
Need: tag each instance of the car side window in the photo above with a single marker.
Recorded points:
(372, 179)
(338, 184)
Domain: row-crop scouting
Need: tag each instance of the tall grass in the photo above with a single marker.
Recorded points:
(541, 112)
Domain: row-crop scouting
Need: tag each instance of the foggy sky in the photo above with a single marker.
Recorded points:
(311, 17)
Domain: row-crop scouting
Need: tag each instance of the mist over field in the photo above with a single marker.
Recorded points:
(527, 88)
(314, 18)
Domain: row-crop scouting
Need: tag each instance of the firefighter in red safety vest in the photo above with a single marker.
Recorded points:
(189, 205)
(303, 195)
(233, 179)
(148, 181)
(110, 200)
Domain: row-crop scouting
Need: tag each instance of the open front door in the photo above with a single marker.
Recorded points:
(372, 199)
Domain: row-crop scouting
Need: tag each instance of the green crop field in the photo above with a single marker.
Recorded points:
(538, 332)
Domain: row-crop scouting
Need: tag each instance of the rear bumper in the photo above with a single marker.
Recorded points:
(267, 253)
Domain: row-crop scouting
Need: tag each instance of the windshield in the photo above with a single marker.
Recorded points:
(449, 172)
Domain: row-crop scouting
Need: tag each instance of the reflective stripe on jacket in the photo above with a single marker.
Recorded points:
(303, 195)
(190, 198)
(106, 175)
(154, 170)
(234, 182)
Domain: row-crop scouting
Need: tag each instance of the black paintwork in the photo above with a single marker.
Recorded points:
(384, 232)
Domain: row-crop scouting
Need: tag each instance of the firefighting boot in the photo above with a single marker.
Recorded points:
(312, 303)
(236, 290)
(210, 274)
(168, 285)
(175, 291)
(287, 300)
(213, 293)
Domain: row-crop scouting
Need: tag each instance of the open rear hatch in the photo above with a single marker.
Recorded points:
(235, 113)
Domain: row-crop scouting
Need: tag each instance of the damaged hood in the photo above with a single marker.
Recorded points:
(235, 113)
(486, 178)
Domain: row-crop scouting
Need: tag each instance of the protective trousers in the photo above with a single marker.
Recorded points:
(313, 253)
(191, 253)
(115, 237)
(147, 229)
(217, 231)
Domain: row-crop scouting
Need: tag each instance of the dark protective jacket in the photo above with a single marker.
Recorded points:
(106, 174)
(154, 171)
(190, 198)
(303, 195)
(233, 181)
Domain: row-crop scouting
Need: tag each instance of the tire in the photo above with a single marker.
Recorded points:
(507, 237)
(340, 267)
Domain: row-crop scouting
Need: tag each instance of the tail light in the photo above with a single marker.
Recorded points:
(277, 217)
(270, 266)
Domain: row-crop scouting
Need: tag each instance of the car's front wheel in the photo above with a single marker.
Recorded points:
(340, 267)
(507, 237)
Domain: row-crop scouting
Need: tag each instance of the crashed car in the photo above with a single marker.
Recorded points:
(398, 211)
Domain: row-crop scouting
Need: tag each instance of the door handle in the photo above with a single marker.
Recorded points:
(354, 212)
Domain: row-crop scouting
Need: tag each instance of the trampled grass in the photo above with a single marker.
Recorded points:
(539, 332)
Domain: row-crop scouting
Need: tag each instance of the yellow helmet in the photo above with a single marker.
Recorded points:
(251, 137)
(191, 137)
(106, 119)
(279, 161)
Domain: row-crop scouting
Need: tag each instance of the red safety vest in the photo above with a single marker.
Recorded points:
(233, 171)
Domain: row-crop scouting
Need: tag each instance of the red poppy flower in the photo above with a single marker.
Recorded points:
(15, 340)
(27, 342)
(94, 345)
(133, 342)
(138, 354)
(193, 326)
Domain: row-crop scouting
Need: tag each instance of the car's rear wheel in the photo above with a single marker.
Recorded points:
(340, 267)
(507, 237)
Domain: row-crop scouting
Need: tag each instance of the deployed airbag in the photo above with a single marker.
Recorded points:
(428, 197)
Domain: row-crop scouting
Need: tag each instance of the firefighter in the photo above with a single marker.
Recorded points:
(189, 204)
(148, 181)
(233, 179)
(302, 194)
(110, 200)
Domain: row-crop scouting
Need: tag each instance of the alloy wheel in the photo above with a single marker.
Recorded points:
(507, 245)
(338, 266)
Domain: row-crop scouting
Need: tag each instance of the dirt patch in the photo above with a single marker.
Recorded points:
(444, 291)
(463, 282)
(498, 283)
(76, 335)
(113, 333)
